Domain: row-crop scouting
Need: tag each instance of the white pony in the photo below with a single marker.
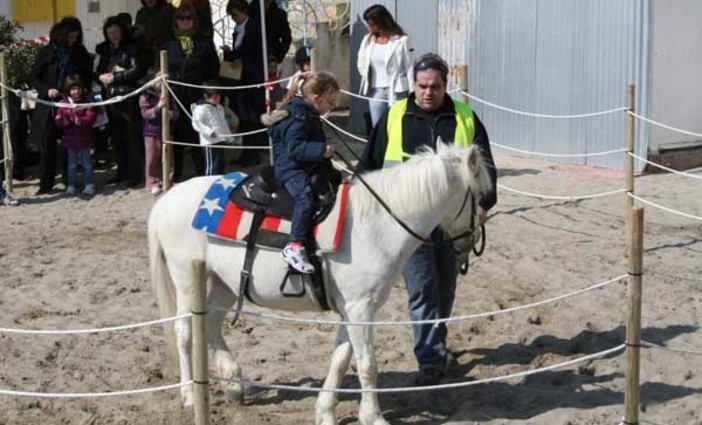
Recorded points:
(431, 189)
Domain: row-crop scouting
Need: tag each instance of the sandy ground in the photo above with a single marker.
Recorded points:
(71, 263)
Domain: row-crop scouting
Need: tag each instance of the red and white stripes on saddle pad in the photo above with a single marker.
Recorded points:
(236, 223)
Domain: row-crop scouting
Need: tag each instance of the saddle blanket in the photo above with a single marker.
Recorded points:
(218, 216)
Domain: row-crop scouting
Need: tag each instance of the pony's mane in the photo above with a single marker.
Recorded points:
(411, 188)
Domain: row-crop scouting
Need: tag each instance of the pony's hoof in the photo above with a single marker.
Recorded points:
(327, 418)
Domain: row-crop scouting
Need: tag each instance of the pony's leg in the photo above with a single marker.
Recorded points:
(326, 402)
(183, 275)
(220, 299)
(183, 331)
(361, 338)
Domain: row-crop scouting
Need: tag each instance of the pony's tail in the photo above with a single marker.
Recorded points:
(164, 290)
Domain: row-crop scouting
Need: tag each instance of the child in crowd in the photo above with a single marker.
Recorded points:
(76, 125)
(299, 144)
(210, 121)
(303, 62)
(151, 103)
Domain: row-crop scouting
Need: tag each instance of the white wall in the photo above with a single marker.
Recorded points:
(676, 71)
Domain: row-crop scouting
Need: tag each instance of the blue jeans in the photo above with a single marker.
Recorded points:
(82, 157)
(430, 276)
(214, 161)
(378, 107)
(301, 226)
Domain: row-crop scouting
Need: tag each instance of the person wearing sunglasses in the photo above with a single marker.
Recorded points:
(426, 117)
(384, 61)
(192, 59)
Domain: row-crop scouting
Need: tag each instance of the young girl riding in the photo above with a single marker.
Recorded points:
(299, 144)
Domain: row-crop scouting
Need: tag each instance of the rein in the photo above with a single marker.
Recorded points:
(399, 221)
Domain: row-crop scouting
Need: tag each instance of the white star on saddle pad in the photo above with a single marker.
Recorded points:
(211, 205)
(227, 183)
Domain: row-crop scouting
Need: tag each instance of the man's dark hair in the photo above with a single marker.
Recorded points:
(432, 61)
(238, 5)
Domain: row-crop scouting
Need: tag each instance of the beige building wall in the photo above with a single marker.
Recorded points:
(676, 72)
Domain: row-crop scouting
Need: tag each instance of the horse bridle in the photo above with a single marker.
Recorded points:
(408, 229)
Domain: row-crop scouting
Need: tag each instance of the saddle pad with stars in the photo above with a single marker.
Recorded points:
(218, 216)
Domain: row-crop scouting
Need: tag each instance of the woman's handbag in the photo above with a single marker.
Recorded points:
(231, 70)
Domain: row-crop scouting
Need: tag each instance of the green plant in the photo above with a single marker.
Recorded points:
(19, 54)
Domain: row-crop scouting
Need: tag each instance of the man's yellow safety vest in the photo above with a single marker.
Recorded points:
(394, 153)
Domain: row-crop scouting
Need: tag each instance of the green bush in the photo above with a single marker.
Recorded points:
(19, 54)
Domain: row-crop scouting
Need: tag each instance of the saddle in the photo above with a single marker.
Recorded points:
(261, 194)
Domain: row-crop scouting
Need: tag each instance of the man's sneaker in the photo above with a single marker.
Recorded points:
(9, 202)
(89, 190)
(70, 190)
(296, 256)
(428, 376)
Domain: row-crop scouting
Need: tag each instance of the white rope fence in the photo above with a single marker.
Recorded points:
(432, 321)
(564, 198)
(662, 167)
(117, 99)
(342, 131)
(424, 388)
(667, 127)
(370, 99)
(250, 86)
(95, 330)
(223, 136)
(95, 395)
(556, 155)
(676, 276)
(661, 207)
(531, 114)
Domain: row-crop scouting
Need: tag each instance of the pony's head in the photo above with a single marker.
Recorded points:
(471, 181)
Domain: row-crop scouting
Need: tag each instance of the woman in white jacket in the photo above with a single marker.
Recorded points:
(384, 61)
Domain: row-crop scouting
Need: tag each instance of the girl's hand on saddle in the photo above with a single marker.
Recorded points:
(328, 152)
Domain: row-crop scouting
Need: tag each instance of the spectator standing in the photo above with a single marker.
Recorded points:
(120, 70)
(151, 103)
(426, 117)
(154, 20)
(384, 61)
(192, 59)
(278, 34)
(210, 121)
(64, 55)
(76, 125)
(249, 103)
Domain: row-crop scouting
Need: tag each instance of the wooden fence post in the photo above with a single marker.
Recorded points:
(166, 148)
(463, 82)
(630, 145)
(633, 325)
(6, 134)
(199, 366)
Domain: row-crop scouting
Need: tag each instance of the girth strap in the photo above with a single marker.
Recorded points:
(248, 264)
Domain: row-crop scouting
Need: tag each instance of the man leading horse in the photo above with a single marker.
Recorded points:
(426, 117)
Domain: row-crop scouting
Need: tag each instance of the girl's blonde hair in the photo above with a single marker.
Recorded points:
(305, 84)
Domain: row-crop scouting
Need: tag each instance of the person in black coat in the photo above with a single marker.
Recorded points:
(64, 55)
(248, 103)
(278, 34)
(119, 72)
(192, 59)
(154, 20)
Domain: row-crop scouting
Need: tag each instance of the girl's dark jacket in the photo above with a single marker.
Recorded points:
(298, 138)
